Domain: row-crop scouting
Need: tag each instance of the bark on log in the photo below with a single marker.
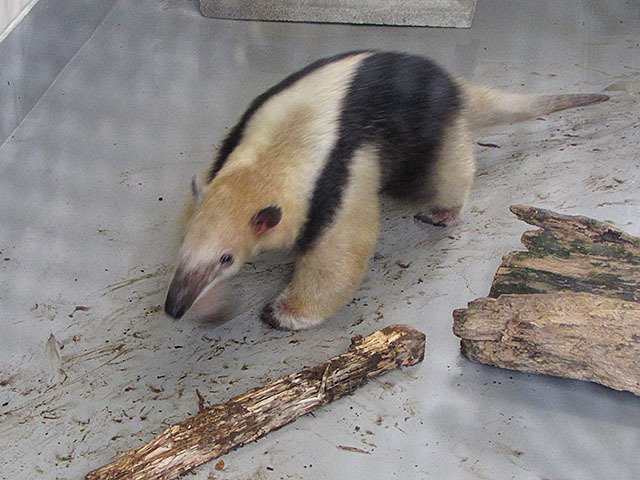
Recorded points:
(249, 416)
(574, 335)
(569, 306)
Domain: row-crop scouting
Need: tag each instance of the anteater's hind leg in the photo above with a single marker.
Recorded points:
(327, 275)
(452, 175)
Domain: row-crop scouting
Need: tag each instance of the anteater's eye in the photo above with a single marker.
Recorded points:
(226, 259)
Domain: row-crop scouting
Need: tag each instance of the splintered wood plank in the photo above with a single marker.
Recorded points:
(249, 416)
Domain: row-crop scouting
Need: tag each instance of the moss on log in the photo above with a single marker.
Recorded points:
(570, 254)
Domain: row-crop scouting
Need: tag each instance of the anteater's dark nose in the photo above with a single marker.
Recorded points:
(186, 286)
(182, 293)
(173, 308)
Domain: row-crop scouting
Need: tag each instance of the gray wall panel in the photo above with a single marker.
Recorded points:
(37, 50)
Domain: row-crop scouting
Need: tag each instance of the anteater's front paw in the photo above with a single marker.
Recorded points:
(279, 314)
(269, 317)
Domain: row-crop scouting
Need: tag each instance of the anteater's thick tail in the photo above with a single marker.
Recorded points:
(487, 106)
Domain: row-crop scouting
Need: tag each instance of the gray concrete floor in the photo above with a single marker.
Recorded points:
(93, 186)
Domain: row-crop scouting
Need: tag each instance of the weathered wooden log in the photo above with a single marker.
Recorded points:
(569, 306)
(575, 335)
(571, 254)
(249, 416)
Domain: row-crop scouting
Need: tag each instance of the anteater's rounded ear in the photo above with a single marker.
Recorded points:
(266, 219)
(199, 186)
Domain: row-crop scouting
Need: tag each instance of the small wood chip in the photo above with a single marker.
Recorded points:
(201, 404)
(79, 308)
(353, 449)
(219, 465)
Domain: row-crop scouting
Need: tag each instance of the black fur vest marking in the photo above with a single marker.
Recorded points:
(398, 103)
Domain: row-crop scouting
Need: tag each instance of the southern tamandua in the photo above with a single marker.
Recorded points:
(306, 162)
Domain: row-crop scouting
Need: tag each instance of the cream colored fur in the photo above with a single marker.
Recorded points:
(326, 277)
(452, 174)
(287, 142)
(487, 106)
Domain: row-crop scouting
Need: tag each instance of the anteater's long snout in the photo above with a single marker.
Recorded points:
(179, 298)
(184, 290)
